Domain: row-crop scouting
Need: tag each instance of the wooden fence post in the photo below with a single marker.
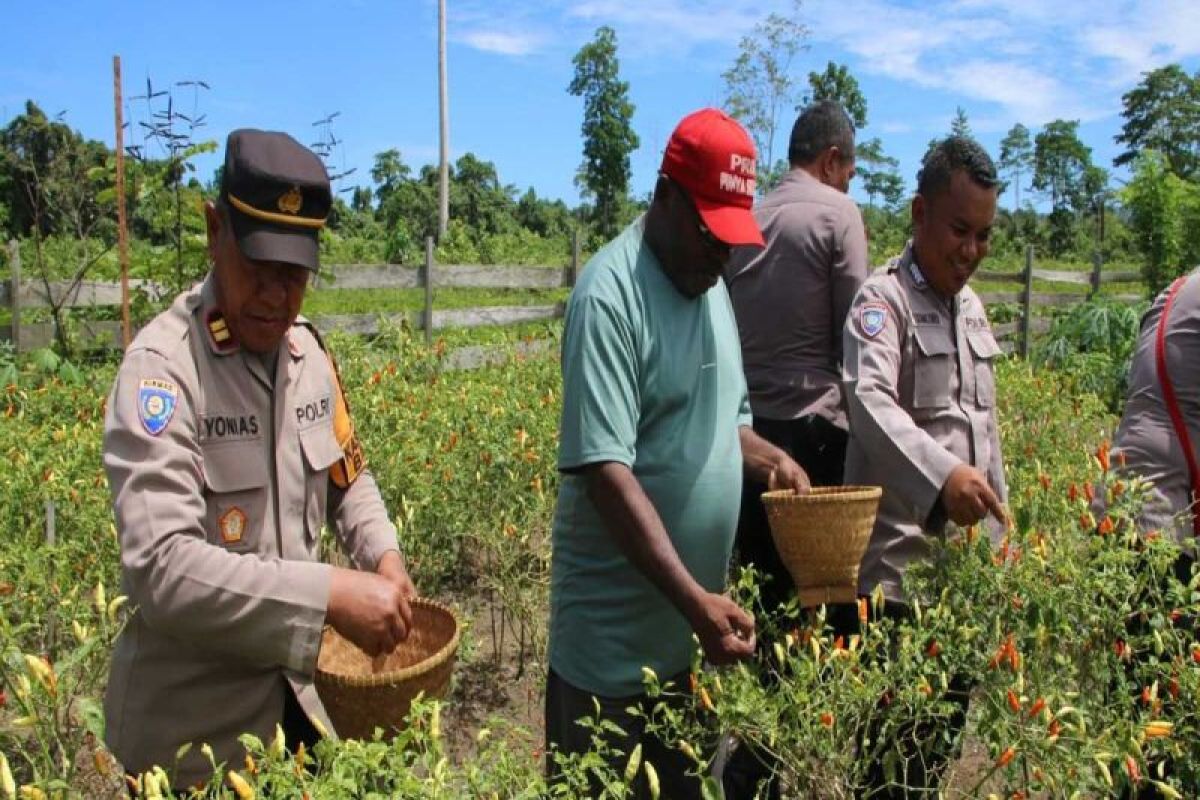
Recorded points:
(1027, 303)
(1097, 265)
(14, 260)
(574, 258)
(51, 527)
(427, 317)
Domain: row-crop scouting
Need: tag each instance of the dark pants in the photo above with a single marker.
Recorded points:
(296, 726)
(922, 749)
(1138, 626)
(817, 445)
(566, 704)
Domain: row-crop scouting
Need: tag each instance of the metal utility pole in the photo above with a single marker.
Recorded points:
(122, 225)
(444, 128)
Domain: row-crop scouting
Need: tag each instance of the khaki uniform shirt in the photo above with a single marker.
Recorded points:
(1146, 435)
(220, 488)
(791, 298)
(921, 393)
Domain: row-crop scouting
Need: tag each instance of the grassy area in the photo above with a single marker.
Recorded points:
(319, 302)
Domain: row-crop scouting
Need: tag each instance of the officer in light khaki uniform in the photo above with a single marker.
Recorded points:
(228, 445)
(918, 371)
(1149, 440)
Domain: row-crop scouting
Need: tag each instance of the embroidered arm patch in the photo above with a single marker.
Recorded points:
(872, 319)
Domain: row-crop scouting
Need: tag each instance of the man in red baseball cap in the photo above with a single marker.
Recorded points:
(654, 439)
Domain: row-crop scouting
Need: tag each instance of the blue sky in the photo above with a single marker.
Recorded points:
(286, 65)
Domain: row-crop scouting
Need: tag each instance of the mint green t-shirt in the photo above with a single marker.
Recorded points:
(653, 380)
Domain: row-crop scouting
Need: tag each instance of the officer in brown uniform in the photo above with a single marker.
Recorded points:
(1162, 412)
(227, 447)
(918, 370)
(791, 299)
(1157, 438)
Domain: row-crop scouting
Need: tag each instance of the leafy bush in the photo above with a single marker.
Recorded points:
(1094, 341)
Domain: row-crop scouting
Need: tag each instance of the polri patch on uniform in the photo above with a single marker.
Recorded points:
(232, 525)
(872, 318)
(156, 404)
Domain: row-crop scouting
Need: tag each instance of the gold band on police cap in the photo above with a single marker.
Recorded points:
(271, 216)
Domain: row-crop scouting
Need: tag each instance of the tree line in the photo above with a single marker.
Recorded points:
(57, 194)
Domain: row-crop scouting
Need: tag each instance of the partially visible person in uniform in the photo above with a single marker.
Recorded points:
(228, 445)
(1160, 426)
(655, 436)
(791, 299)
(1159, 432)
(921, 392)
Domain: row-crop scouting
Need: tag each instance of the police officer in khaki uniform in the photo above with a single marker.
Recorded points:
(1157, 440)
(1154, 433)
(918, 371)
(228, 446)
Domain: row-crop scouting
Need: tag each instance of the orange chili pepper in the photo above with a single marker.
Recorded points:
(1037, 707)
(1006, 757)
(1014, 702)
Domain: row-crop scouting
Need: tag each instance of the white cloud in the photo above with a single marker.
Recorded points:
(505, 43)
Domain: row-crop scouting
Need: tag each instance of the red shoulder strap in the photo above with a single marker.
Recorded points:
(1168, 393)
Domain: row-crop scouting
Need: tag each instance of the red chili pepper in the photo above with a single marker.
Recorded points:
(1106, 526)
(827, 719)
(1014, 702)
(933, 649)
(1037, 707)
(1089, 492)
(1131, 766)
(1006, 757)
(1102, 456)
(1073, 493)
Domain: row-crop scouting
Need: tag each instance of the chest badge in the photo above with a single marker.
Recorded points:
(156, 404)
(872, 318)
(232, 525)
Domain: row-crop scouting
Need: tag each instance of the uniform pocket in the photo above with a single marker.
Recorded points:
(934, 364)
(235, 480)
(984, 350)
(321, 451)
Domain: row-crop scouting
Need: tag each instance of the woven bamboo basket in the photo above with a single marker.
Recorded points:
(362, 693)
(821, 538)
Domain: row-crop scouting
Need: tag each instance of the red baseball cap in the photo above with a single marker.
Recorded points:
(712, 157)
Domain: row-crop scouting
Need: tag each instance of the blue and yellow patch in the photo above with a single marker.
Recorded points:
(156, 404)
(872, 318)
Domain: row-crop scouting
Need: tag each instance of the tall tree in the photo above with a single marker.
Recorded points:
(1163, 113)
(1016, 158)
(608, 136)
(837, 84)
(879, 173)
(759, 86)
(960, 125)
(1060, 167)
(1060, 160)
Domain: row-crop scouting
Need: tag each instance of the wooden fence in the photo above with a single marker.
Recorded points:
(18, 295)
(1015, 336)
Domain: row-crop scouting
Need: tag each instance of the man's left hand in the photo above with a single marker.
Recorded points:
(787, 474)
(391, 566)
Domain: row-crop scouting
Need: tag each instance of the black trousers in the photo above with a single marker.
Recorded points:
(817, 445)
(922, 750)
(566, 704)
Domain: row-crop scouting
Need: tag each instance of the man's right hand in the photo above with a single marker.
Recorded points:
(967, 498)
(367, 609)
(726, 631)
